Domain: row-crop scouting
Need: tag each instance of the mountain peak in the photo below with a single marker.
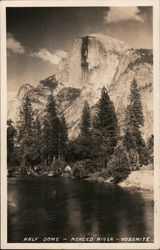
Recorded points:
(95, 61)
(90, 61)
(110, 43)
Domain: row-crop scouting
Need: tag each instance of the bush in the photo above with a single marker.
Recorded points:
(58, 167)
(77, 169)
(105, 173)
(142, 151)
(150, 146)
(118, 166)
(133, 158)
(143, 156)
(82, 169)
(88, 166)
(136, 147)
(74, 151)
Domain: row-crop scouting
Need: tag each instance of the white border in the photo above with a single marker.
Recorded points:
(156, 244)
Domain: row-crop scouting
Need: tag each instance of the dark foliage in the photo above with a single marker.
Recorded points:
(85, 138)
(144, 56)
(81, 169)
(142, 150)
(74, 151)
(58, 166)
(134, 122)
(63, 138)
(37, 143)
(44, 145)
(118, 166)
(26, 133)
(105, 129)
(129, 140)
(150, 146)
(51, 127)
(134, 112)
(11, 133)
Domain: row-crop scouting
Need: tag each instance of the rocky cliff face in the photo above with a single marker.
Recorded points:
(92, 62)
(95, 61)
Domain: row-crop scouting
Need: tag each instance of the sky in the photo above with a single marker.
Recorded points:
(37, 38)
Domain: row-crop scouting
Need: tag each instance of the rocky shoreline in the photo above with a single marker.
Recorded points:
(140, 179)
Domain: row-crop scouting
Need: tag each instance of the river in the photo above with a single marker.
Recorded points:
(62, 209)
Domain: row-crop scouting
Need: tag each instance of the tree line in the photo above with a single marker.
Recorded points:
(37, 141)
(99, 146)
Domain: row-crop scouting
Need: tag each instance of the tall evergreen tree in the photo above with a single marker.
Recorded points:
(135, 112)
(86, 121)
(37, 142)
(11, 133)
(105, 129)
(25, 132)
(134, 122)
(63, 138)
(80, 148)
(45, 140)
(51, 127)
(85, 138)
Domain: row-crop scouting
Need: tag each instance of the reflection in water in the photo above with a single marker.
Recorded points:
(50, 207)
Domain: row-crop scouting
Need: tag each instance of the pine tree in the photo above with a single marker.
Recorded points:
(86, 121)
(25, 132)
(85, 138)
(135, 112)
(37, 142)
(134, 122)
(63, 138)
(45, 141)
(128, 139)
(51, 127)
(11, 133)
(105, 129)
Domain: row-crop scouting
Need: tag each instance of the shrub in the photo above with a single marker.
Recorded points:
(77, 169)
(88, 166)
(142, 151)
(58, 167)
(118, 166)
(82, 169)
(150, 146)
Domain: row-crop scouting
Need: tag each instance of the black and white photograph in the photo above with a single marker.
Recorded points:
(80, 100)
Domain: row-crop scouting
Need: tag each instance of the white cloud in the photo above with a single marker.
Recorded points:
(116, 14)
(14, 45)
(46, 55)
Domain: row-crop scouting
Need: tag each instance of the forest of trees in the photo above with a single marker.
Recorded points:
(43, 142)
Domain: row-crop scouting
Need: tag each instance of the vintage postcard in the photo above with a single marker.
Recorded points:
(80, 124)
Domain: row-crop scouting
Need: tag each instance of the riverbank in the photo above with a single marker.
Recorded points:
(141, 179)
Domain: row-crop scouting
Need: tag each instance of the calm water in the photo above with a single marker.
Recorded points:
(47, 207)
